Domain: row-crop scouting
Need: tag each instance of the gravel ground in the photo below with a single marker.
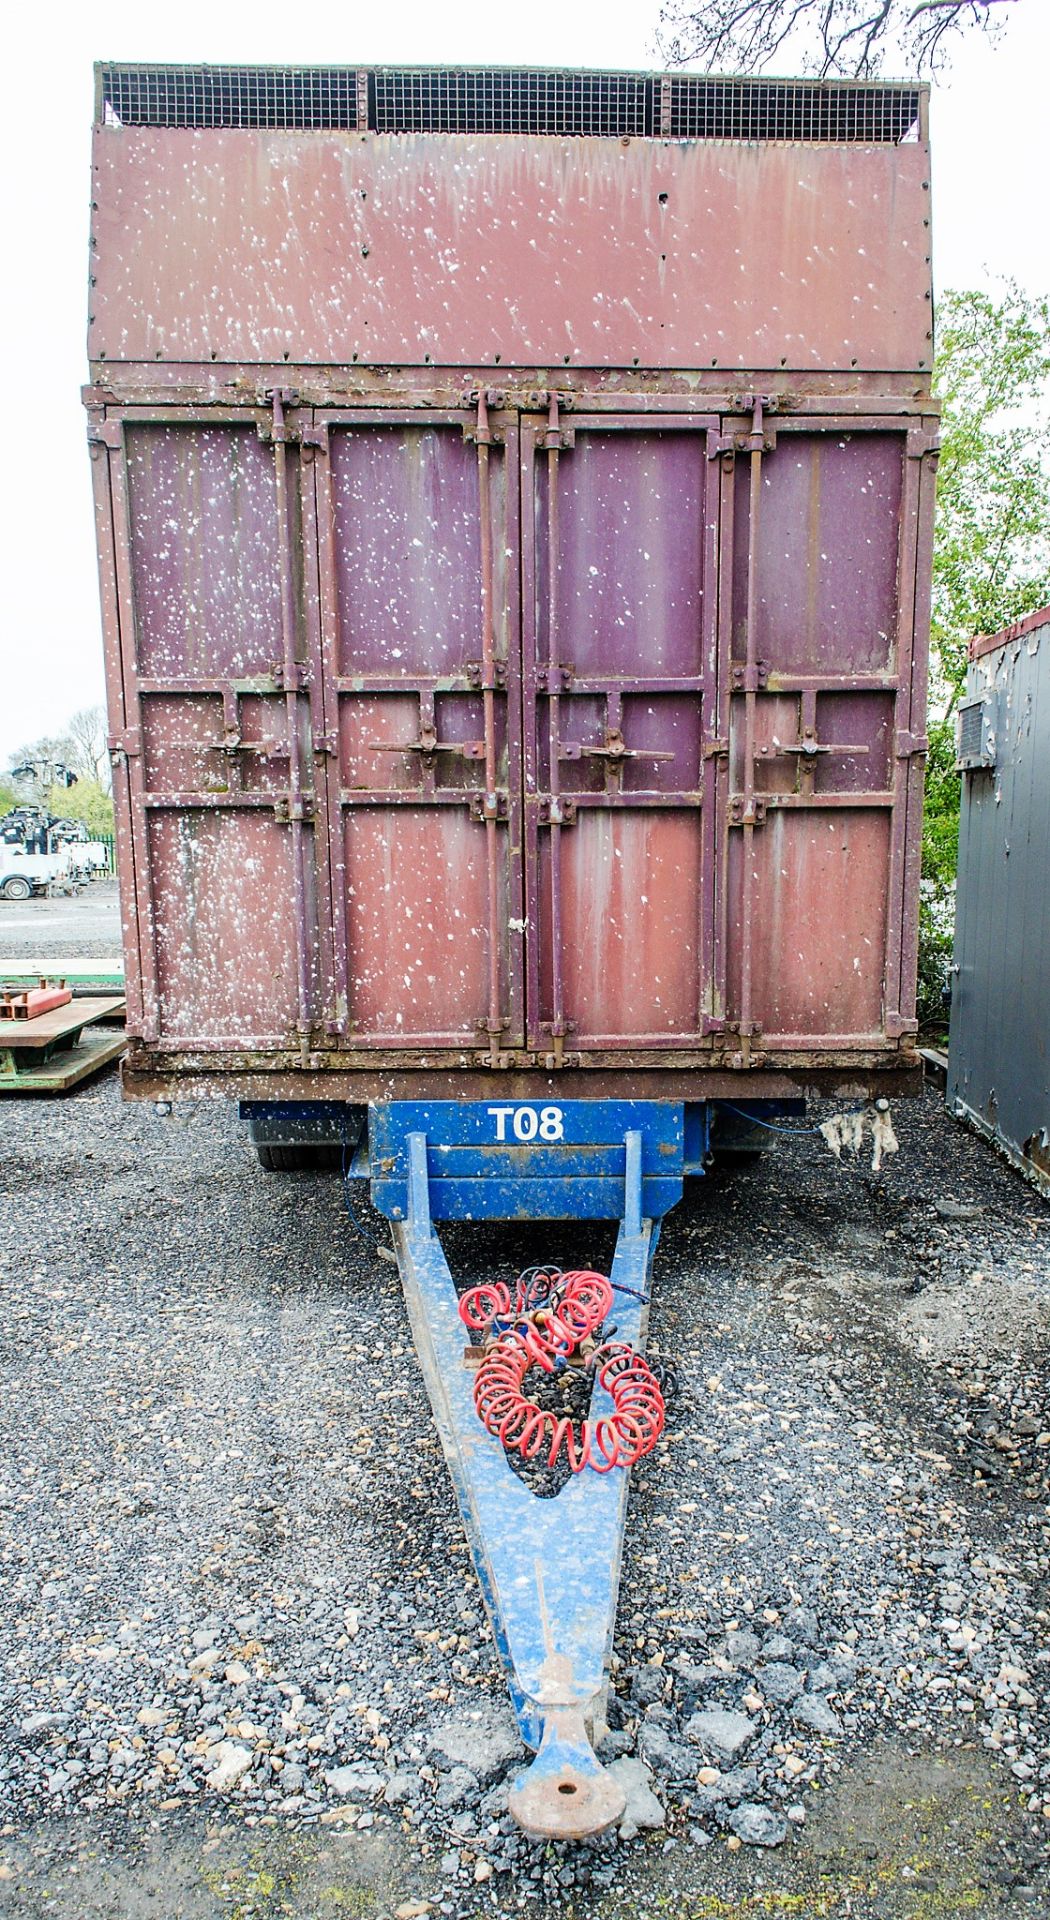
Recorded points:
(244, 1669)
(87, 924)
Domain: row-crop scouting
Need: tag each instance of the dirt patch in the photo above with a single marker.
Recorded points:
(902, 1836)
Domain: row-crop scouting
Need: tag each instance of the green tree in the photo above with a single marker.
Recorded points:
(81, 748)
(88, 801)
(991, 552)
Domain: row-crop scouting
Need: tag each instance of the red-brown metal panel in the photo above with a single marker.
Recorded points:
(463, 723)
(820, 666)
(619, 699)
(422, 658)
(221, 714)
(344, 249)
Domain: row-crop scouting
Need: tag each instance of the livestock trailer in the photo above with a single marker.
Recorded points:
(514, 498)
(999, 1040)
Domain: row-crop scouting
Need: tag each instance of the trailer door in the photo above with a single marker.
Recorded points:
(619, 525)
(823, 708)
(215, 707)
(417, 555)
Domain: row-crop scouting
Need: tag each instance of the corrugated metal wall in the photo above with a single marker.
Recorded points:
(999, 1051)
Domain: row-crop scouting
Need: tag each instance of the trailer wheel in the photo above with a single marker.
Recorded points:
(298, 1158)
(736, 1140)
(16, 887)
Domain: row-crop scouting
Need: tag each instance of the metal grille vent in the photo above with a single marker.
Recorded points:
(703, 109)
(495, 101)
(976, 734)
(229, 97)
(507, 100)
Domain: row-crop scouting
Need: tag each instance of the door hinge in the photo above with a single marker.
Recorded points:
(293, 806)
(553, 811)
(896, 1026)
(745, 679)
(551, 679)
(124, 745)
(920, 443)
(743, 815)
(489, 806)
(473, 673)
(106, 433)
(911, 746)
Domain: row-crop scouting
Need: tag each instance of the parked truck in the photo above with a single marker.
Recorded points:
(514, 497)
(24, 874)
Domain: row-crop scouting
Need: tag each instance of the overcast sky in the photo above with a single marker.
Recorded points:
(990, 219)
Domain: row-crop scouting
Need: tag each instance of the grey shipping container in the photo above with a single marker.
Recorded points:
(999, 1050)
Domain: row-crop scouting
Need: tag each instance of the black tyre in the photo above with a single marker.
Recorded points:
(298, 1159)
(737, 1140)
(16, 887)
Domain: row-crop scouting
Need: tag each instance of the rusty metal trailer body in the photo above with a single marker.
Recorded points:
(514, 499)
(999, 1042)
(514, 510)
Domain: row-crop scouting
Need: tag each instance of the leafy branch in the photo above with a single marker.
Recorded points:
(991, 549)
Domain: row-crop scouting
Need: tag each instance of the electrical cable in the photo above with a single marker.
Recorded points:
(772, 1126)
(363, 1233)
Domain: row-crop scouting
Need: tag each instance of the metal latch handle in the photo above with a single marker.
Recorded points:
(429, 743)
(612, 748)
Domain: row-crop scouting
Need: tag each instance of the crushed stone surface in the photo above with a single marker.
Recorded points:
(86, 924)
(241, 1642)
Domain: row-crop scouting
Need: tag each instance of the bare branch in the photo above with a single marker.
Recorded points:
(849, 38)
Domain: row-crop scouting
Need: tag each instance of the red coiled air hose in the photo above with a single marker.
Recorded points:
(555, 1312)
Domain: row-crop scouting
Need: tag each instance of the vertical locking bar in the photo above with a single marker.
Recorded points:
(483, 438)
(112, 519)
(750, 721)
(716, 610)
(906, 819)
(132, 770)
(553, 446)
(329, 653)
(291, 696)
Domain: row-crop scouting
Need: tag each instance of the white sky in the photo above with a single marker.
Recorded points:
(990, 219)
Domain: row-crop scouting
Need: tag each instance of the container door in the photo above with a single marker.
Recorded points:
(214, 719)
(620, 723)
(822, 805)
(417, 543)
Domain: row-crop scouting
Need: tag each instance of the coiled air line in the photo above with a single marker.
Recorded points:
(553, 1318)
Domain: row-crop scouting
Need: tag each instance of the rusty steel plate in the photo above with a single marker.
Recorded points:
(341, 248)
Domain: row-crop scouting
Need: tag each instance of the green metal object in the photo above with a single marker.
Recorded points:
(54, 1052)
(59, 1068)
(84, 976)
